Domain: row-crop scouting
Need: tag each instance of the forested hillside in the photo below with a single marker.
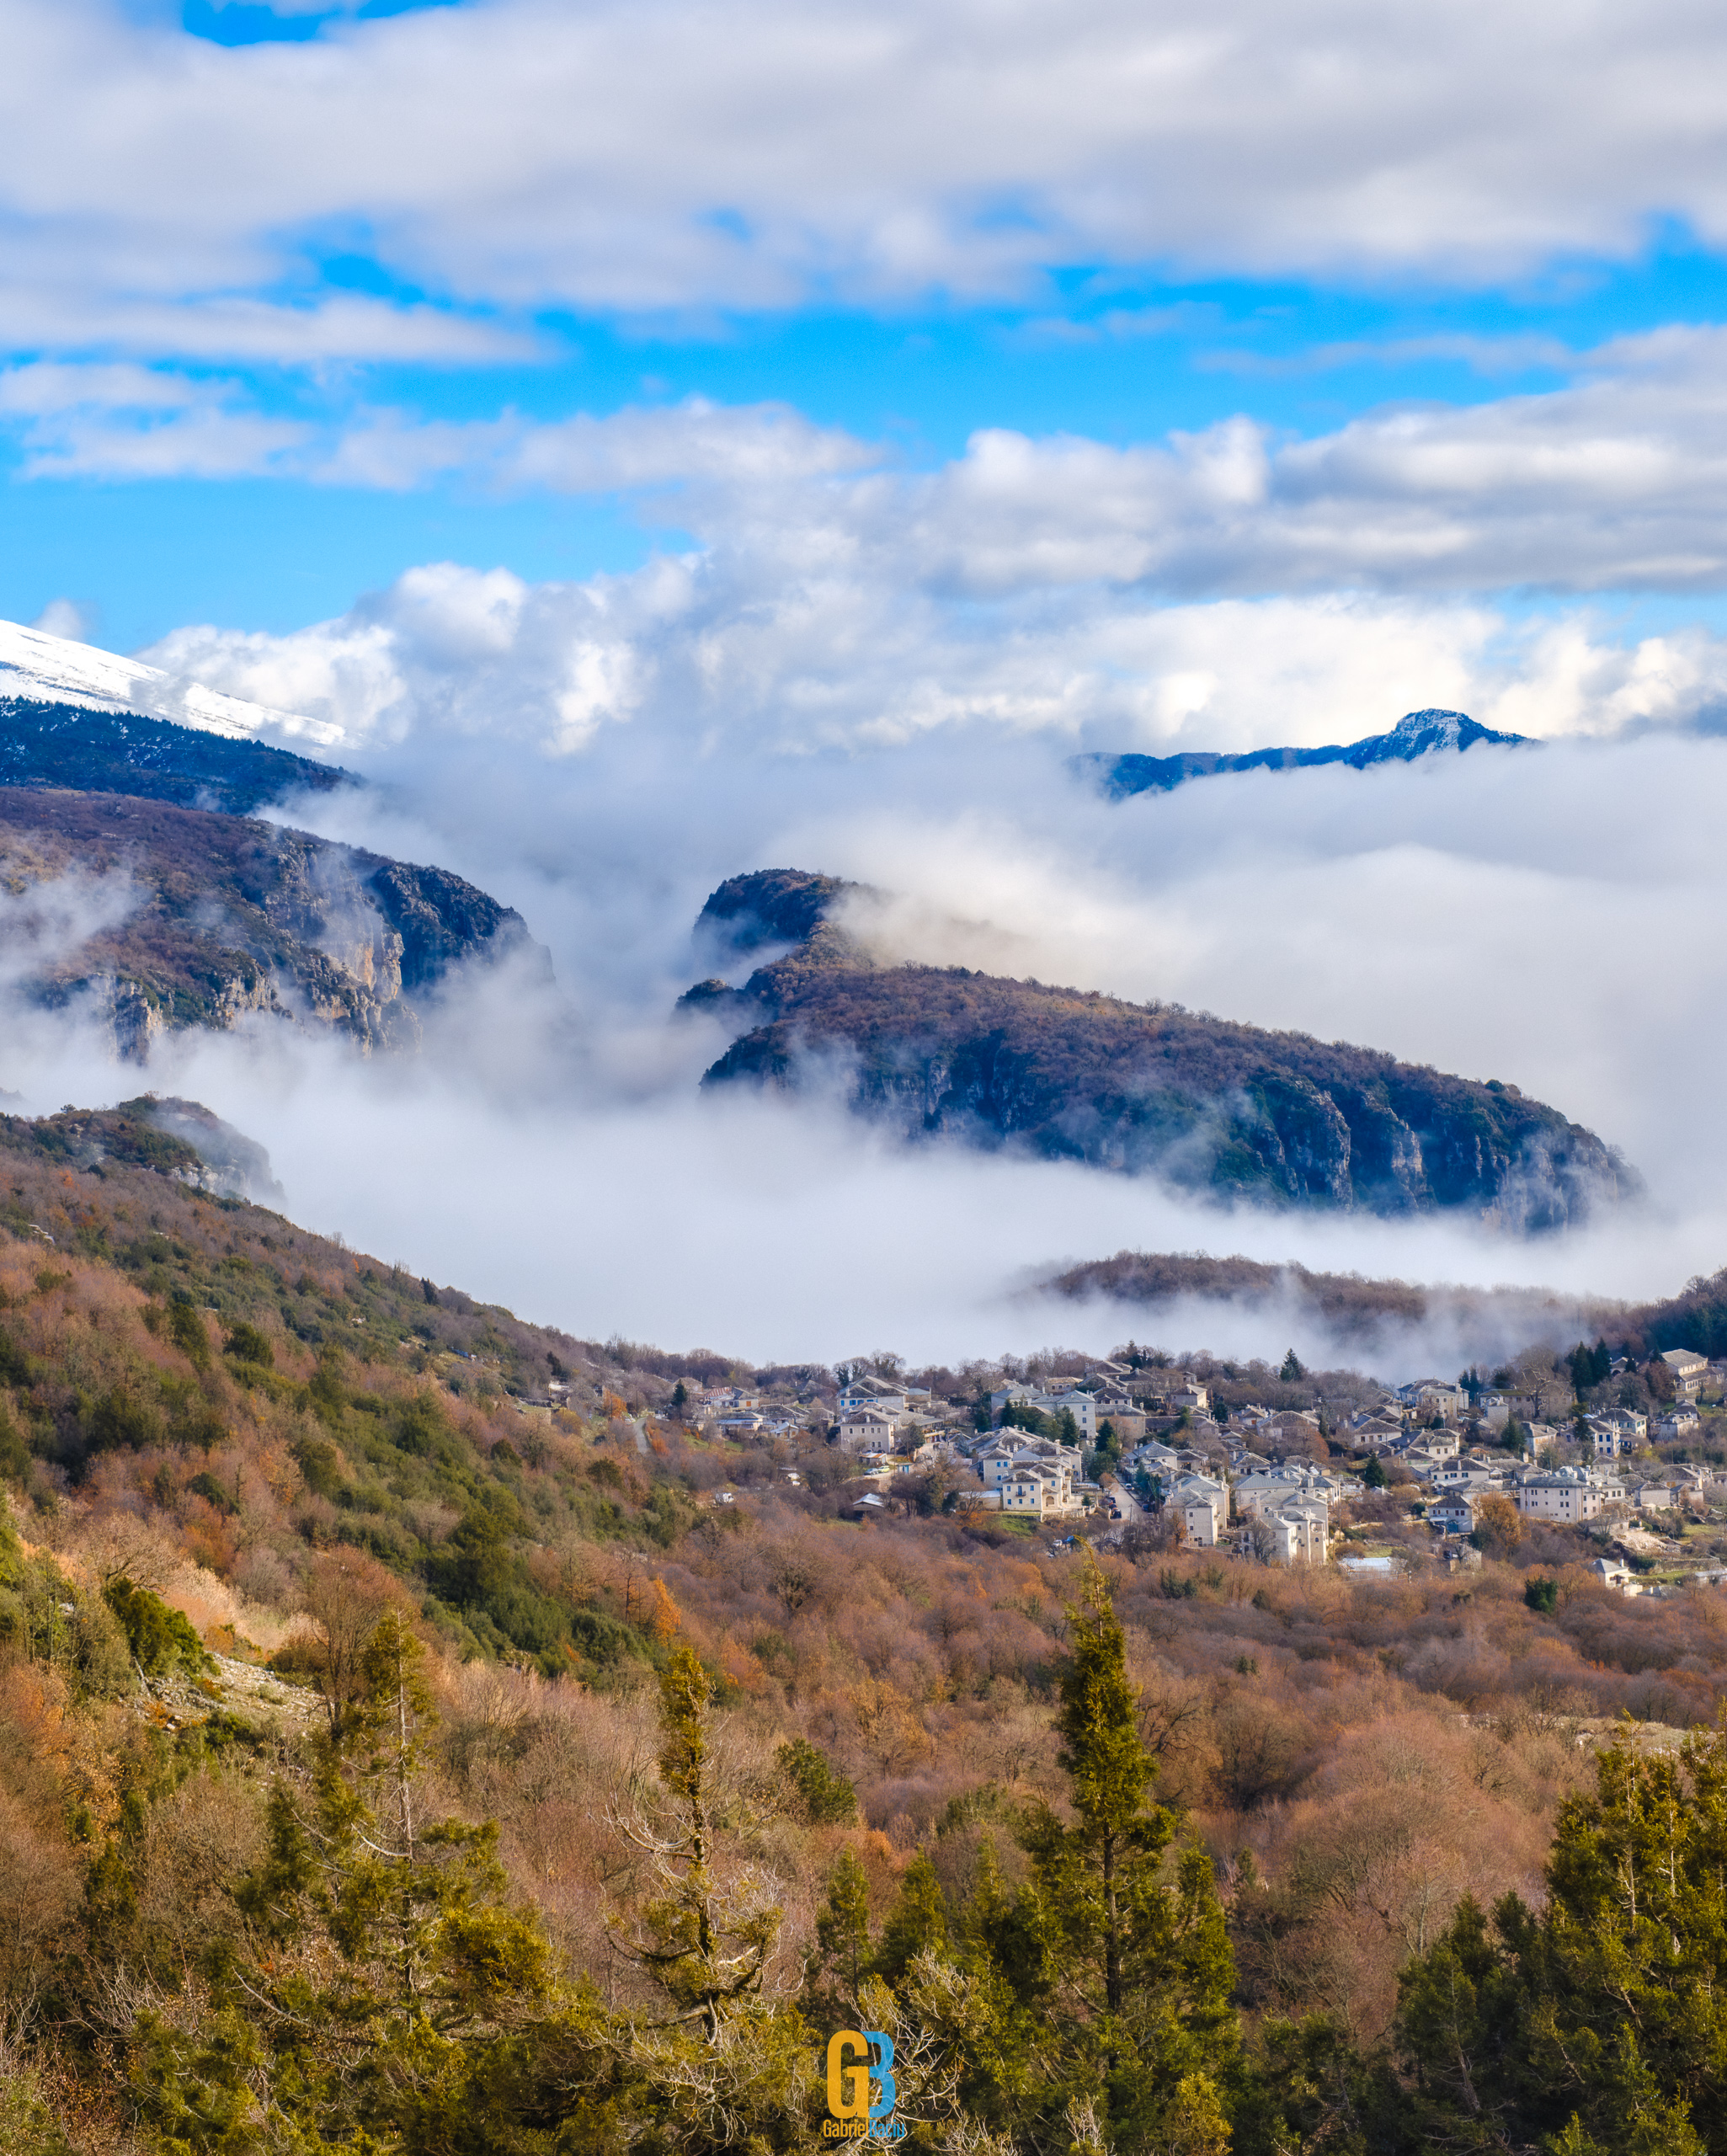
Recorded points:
(392, 1761)
(43, 743)
(1151, 1285)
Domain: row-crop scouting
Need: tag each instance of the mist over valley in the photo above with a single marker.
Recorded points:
(863, 1193)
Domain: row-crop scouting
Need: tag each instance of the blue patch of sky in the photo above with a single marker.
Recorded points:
(145, 556)
(236, 23)
(1119, 357)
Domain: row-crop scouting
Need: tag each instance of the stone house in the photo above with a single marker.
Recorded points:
(864, 1428)
(1688, 1370)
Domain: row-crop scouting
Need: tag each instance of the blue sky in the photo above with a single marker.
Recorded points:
(1421, 315)
(659, 437)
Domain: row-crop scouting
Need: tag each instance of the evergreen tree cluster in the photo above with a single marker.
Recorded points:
(365, 1981)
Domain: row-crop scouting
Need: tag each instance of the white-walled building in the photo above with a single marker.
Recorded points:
(1203, 1507)
(873, 1392)
(864, 1429)
(997, 1460)
(1300, 1531)
(1081, 1406)
(1688, 1370)
(1569, 1495)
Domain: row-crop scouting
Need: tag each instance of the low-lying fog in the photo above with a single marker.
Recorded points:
(1548, 916)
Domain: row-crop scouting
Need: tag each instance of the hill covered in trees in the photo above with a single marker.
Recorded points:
(1215, 1107)
(1354, 1309)
(1350, 1308)
(393, 1757)
(225, 915)
(91, 751)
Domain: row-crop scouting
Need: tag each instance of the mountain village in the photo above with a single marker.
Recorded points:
(1115, 1447)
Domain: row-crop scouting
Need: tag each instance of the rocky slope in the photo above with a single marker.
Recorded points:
(226, 916)
(182, 1139)
(1418, 733)
(1212, 1106)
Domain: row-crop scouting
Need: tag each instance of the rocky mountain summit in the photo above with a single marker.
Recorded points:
(1212, 1106)
(199, 918)
(1417, 734)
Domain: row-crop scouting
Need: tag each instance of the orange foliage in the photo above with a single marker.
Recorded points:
(665, 1619)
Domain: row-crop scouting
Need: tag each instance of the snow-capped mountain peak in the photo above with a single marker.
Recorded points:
(38, 668)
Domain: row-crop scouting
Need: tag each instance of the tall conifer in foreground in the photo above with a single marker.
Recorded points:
(704, 1940)
(1142, 1955)
(382, 1985)
(719, 2062)
(1092, 2009)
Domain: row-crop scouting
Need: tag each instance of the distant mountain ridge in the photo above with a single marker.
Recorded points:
(1417, 734)
(1214, 1106)
(1353, 1311)
(234, 917)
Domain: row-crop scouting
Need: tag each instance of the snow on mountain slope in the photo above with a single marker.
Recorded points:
(40, 668)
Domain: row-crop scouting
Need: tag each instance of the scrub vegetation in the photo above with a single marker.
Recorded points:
(397, 1757)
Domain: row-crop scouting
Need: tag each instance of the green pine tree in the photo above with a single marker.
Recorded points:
(384, 1987)
(843, 1927)
(720, 2065)
(916, 1924)
(705, 1936)
(1144, 1968)
(1602, 2022)
(1092, 2006)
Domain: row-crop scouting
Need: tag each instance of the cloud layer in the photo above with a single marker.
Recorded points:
(796, 640)
(1547, 919)
(1614, 483)
(516, 154)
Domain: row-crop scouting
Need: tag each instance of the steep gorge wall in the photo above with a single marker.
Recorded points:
(226, 917)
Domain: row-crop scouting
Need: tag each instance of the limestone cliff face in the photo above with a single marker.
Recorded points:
(231, 919)
(1212, 1106)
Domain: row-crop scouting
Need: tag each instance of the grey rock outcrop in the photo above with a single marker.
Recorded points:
(232, 919)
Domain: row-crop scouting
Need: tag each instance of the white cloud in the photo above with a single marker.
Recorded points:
(694, 442)
(79, 302)
(1510, 353)
(128, 422)
(63, 619)
(676, 154)
(1010, 591)
(117, 419)
(1494, 915)
(1614, 482)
